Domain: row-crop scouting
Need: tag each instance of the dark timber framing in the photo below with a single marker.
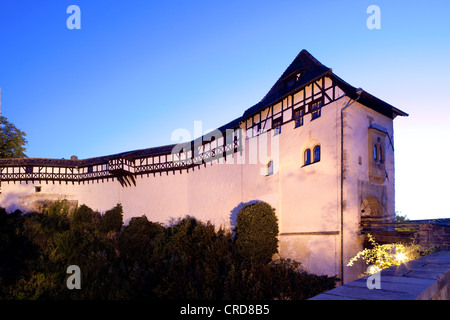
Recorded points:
(123, 167)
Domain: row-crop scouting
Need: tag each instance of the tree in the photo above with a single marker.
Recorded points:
(257, 232)
(112, 220)
(84, 218)
(400, 218)
(12, 140)
(136, 239)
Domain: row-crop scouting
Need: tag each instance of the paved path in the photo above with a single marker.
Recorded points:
(422, 279)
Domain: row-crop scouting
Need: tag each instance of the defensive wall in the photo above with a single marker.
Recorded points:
(296, 150)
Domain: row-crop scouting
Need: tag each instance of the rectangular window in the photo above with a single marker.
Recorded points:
(37, 189)
(277, 126)
(29, 169)
(316, 109)
(298, 117)
(90, 169)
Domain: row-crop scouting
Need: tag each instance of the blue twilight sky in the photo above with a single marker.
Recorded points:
(138, 70)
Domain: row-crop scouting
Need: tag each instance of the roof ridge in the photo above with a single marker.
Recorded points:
(305, 63)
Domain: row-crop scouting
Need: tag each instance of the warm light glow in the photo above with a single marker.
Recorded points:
(373, 269)
(401, 257)
(382, 256)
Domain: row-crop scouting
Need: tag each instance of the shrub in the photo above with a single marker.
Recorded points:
(112, 220)
(84, 218)
(382, 256)
(257, 232)
(188, 259)
(193, 261)
(137, 239)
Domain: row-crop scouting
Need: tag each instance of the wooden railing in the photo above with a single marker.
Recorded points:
(424, 233)
(389, 231)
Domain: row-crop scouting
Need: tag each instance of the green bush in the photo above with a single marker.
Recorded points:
(112, 220)
(136, 241)
(188, 259)
(257, 232)
(193, 261)
(84, 218)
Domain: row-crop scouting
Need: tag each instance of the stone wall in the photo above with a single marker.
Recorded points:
(426, 278)
(435, 234)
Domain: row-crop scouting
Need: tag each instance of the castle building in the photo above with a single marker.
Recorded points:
(318, 150)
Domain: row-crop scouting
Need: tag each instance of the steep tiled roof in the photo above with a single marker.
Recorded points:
(369, 100)
(309, 69)
(85, 162)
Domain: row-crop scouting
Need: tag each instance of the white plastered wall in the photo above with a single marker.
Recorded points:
(306, 198)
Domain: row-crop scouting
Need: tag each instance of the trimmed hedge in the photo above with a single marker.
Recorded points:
(257, 232)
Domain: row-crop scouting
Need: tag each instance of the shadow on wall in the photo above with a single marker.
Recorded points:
(27, 202)
(234, 213)
(11, 201)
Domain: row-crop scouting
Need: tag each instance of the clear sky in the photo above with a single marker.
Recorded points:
(138, 70)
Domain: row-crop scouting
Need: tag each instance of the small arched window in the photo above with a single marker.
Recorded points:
(375, 152)
(381, 154)
(270, 168)
(307, 156)
(317, 153)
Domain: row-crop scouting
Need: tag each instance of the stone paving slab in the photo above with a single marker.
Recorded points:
(425, 278)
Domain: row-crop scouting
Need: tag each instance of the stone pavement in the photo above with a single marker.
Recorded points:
(426, 278)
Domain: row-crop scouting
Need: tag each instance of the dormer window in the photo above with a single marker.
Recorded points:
(291, 80)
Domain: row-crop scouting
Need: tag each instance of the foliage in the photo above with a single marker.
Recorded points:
(382, 256)
(194, 256)
(257, 232)
(84, 218)
(281, 279)
(188, 259)
(112, 220)
(400, 218)
(15, 251)
(12, 140)
(138, 238)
